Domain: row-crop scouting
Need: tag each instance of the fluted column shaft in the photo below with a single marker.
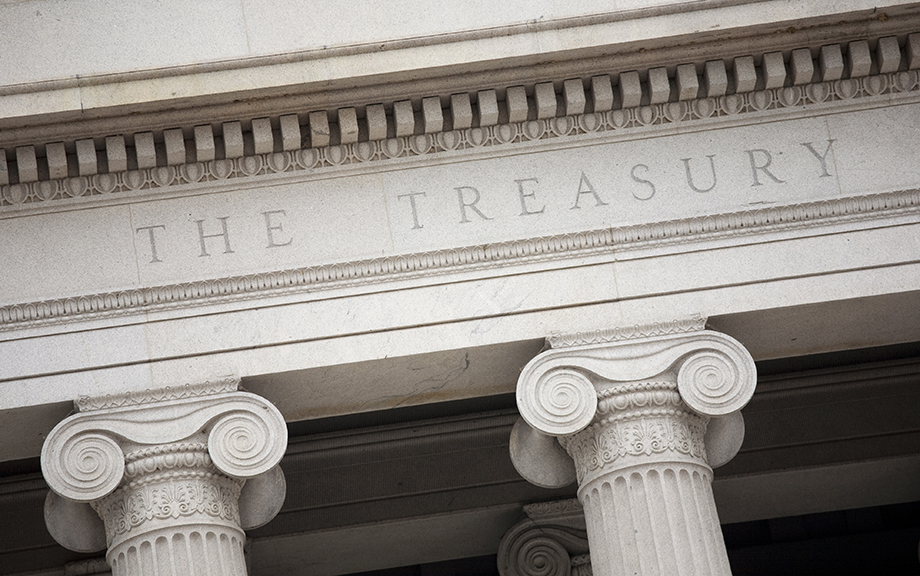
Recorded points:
(645, 485)
(638, 417)
(166, 480)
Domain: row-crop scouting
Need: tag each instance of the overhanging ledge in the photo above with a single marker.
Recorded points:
(369, 70)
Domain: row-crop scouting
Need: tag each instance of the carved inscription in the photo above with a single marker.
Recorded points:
(744, 174)
(275, 236)
(700, 175)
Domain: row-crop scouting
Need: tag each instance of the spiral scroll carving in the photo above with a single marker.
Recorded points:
(539, 548)
(716, 382)
(562, 401)
(86, 467)
(543, 557)
(243, 445)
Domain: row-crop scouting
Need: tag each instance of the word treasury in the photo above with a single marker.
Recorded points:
(755, 175)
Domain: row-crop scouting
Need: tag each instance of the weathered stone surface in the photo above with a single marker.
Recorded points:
(539, 458)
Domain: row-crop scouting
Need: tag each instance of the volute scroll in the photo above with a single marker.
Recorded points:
(182, 461)
(248, 441)
(557, 390)
(718, 379)
(558, 401)
(84, 466)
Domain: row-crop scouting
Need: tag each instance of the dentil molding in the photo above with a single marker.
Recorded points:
(622, 106)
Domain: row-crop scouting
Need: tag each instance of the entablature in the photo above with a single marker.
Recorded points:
(540, 113)
(818, 98)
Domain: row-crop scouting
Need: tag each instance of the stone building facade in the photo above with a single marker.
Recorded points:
(523, 289)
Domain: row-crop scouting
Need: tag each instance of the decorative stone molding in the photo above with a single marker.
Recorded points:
(554, 508)
(681, 326)
(170, 472)
(469, 258)
(613, 105)
(216, 386)
(645, 414)
(558, 392)
(581, 565)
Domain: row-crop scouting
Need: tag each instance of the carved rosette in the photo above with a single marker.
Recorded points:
(167, 472)
(666, 401)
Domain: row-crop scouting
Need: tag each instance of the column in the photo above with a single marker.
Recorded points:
(639, 417)
(551, 541)
(166, 480)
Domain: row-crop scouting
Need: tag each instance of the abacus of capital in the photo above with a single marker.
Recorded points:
(166, 480)
(639, 418)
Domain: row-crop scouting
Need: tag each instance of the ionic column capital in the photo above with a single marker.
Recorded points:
(166, 465)
(582, 377)
(83, 458)
(557, 391)
(551, 541)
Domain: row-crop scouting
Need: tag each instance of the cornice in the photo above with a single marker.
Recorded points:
(455, 145)
(91, 105)
(464, 259)
(239, 64)
(552, 114)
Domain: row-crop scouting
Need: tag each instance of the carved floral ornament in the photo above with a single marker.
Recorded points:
(204, 450)
(628, 386)
(639, 417)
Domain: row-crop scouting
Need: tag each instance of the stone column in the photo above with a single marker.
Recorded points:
(166, 480)
(551, 541)
(644, 414)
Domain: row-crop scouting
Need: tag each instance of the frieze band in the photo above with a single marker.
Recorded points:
(755, 221)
